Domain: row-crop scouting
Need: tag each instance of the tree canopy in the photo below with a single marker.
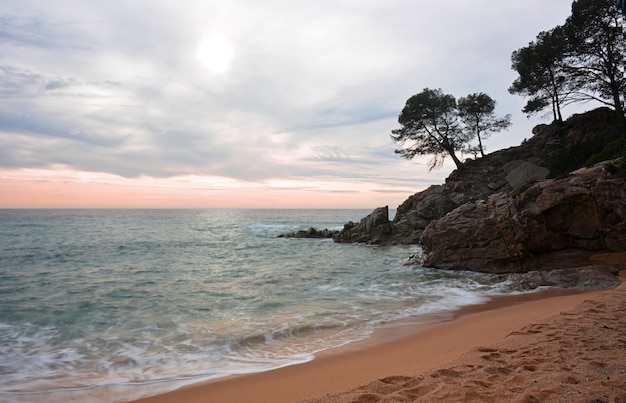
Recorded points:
(432, 123)
(582, 60)
(477, 112)
(542, 74)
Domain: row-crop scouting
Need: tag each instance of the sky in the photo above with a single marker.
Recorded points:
(241, 103)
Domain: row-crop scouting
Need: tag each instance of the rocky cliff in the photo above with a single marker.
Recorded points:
(566, 219)
(516, 208)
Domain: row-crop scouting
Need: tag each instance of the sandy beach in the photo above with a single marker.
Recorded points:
(549, 347)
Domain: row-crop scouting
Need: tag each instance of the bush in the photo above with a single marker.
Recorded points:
(611, 168)
(615, 149)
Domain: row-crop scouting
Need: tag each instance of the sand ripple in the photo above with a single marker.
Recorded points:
(577, 356)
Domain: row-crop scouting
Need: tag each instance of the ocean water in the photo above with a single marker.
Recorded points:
(101, 305)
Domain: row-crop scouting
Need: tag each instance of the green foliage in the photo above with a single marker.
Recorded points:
(542, 74)
(596, 32)
(611, 168)
(613, 150)
(537, 104)
(580, 138)
(429, 126)
(477, 112)
(584, 59)
(433, 124)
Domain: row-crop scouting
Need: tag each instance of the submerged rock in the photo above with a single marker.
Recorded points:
(310, 233)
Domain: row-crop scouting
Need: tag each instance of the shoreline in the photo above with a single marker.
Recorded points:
(395, 349)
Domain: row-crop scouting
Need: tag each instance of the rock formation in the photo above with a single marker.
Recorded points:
(522, 173)
(592, 276)
(583, 212)
(501, 215)
(553, 150)
(310, 233)
(375, 228)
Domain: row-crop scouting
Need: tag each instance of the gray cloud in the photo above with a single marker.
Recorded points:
(313, 88)
(26, 30)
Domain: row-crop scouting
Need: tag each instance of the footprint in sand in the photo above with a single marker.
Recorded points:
(368, 398)
(420, 391)
(396, 380)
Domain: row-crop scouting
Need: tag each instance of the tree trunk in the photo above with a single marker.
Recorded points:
(457, 161)
(619, 111)
(612, 71)
(621, 121)
(449, 148)
(556, 102)
(480, 145)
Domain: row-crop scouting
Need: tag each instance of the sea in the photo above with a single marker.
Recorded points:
(114, 305)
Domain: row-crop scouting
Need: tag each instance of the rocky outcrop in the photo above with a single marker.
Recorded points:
(582, 212)
(554, 150)
(588, 277)
(565, 146)
(519, 212)
(310, 233)
(375, 228)
(420, 209)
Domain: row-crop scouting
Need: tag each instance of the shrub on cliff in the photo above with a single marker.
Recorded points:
(615, 149)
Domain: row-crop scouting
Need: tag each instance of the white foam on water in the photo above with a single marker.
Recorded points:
(156, 301)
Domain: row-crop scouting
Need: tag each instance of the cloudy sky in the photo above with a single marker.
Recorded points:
(240, 103)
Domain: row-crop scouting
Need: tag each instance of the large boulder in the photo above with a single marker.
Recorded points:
(584, 211)
(375, 228)
(587, 277)
(414, 215)
(524, 173)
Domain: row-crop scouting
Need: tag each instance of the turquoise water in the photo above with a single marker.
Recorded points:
(96, 304)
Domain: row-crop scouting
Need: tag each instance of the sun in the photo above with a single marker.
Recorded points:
(215, 53)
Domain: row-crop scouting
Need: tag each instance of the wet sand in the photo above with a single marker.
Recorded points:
(548, 347)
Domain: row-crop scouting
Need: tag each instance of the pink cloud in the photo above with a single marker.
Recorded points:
(63, 187)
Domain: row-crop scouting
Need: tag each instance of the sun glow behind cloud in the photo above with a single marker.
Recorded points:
(239, 103)
(215, 53)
